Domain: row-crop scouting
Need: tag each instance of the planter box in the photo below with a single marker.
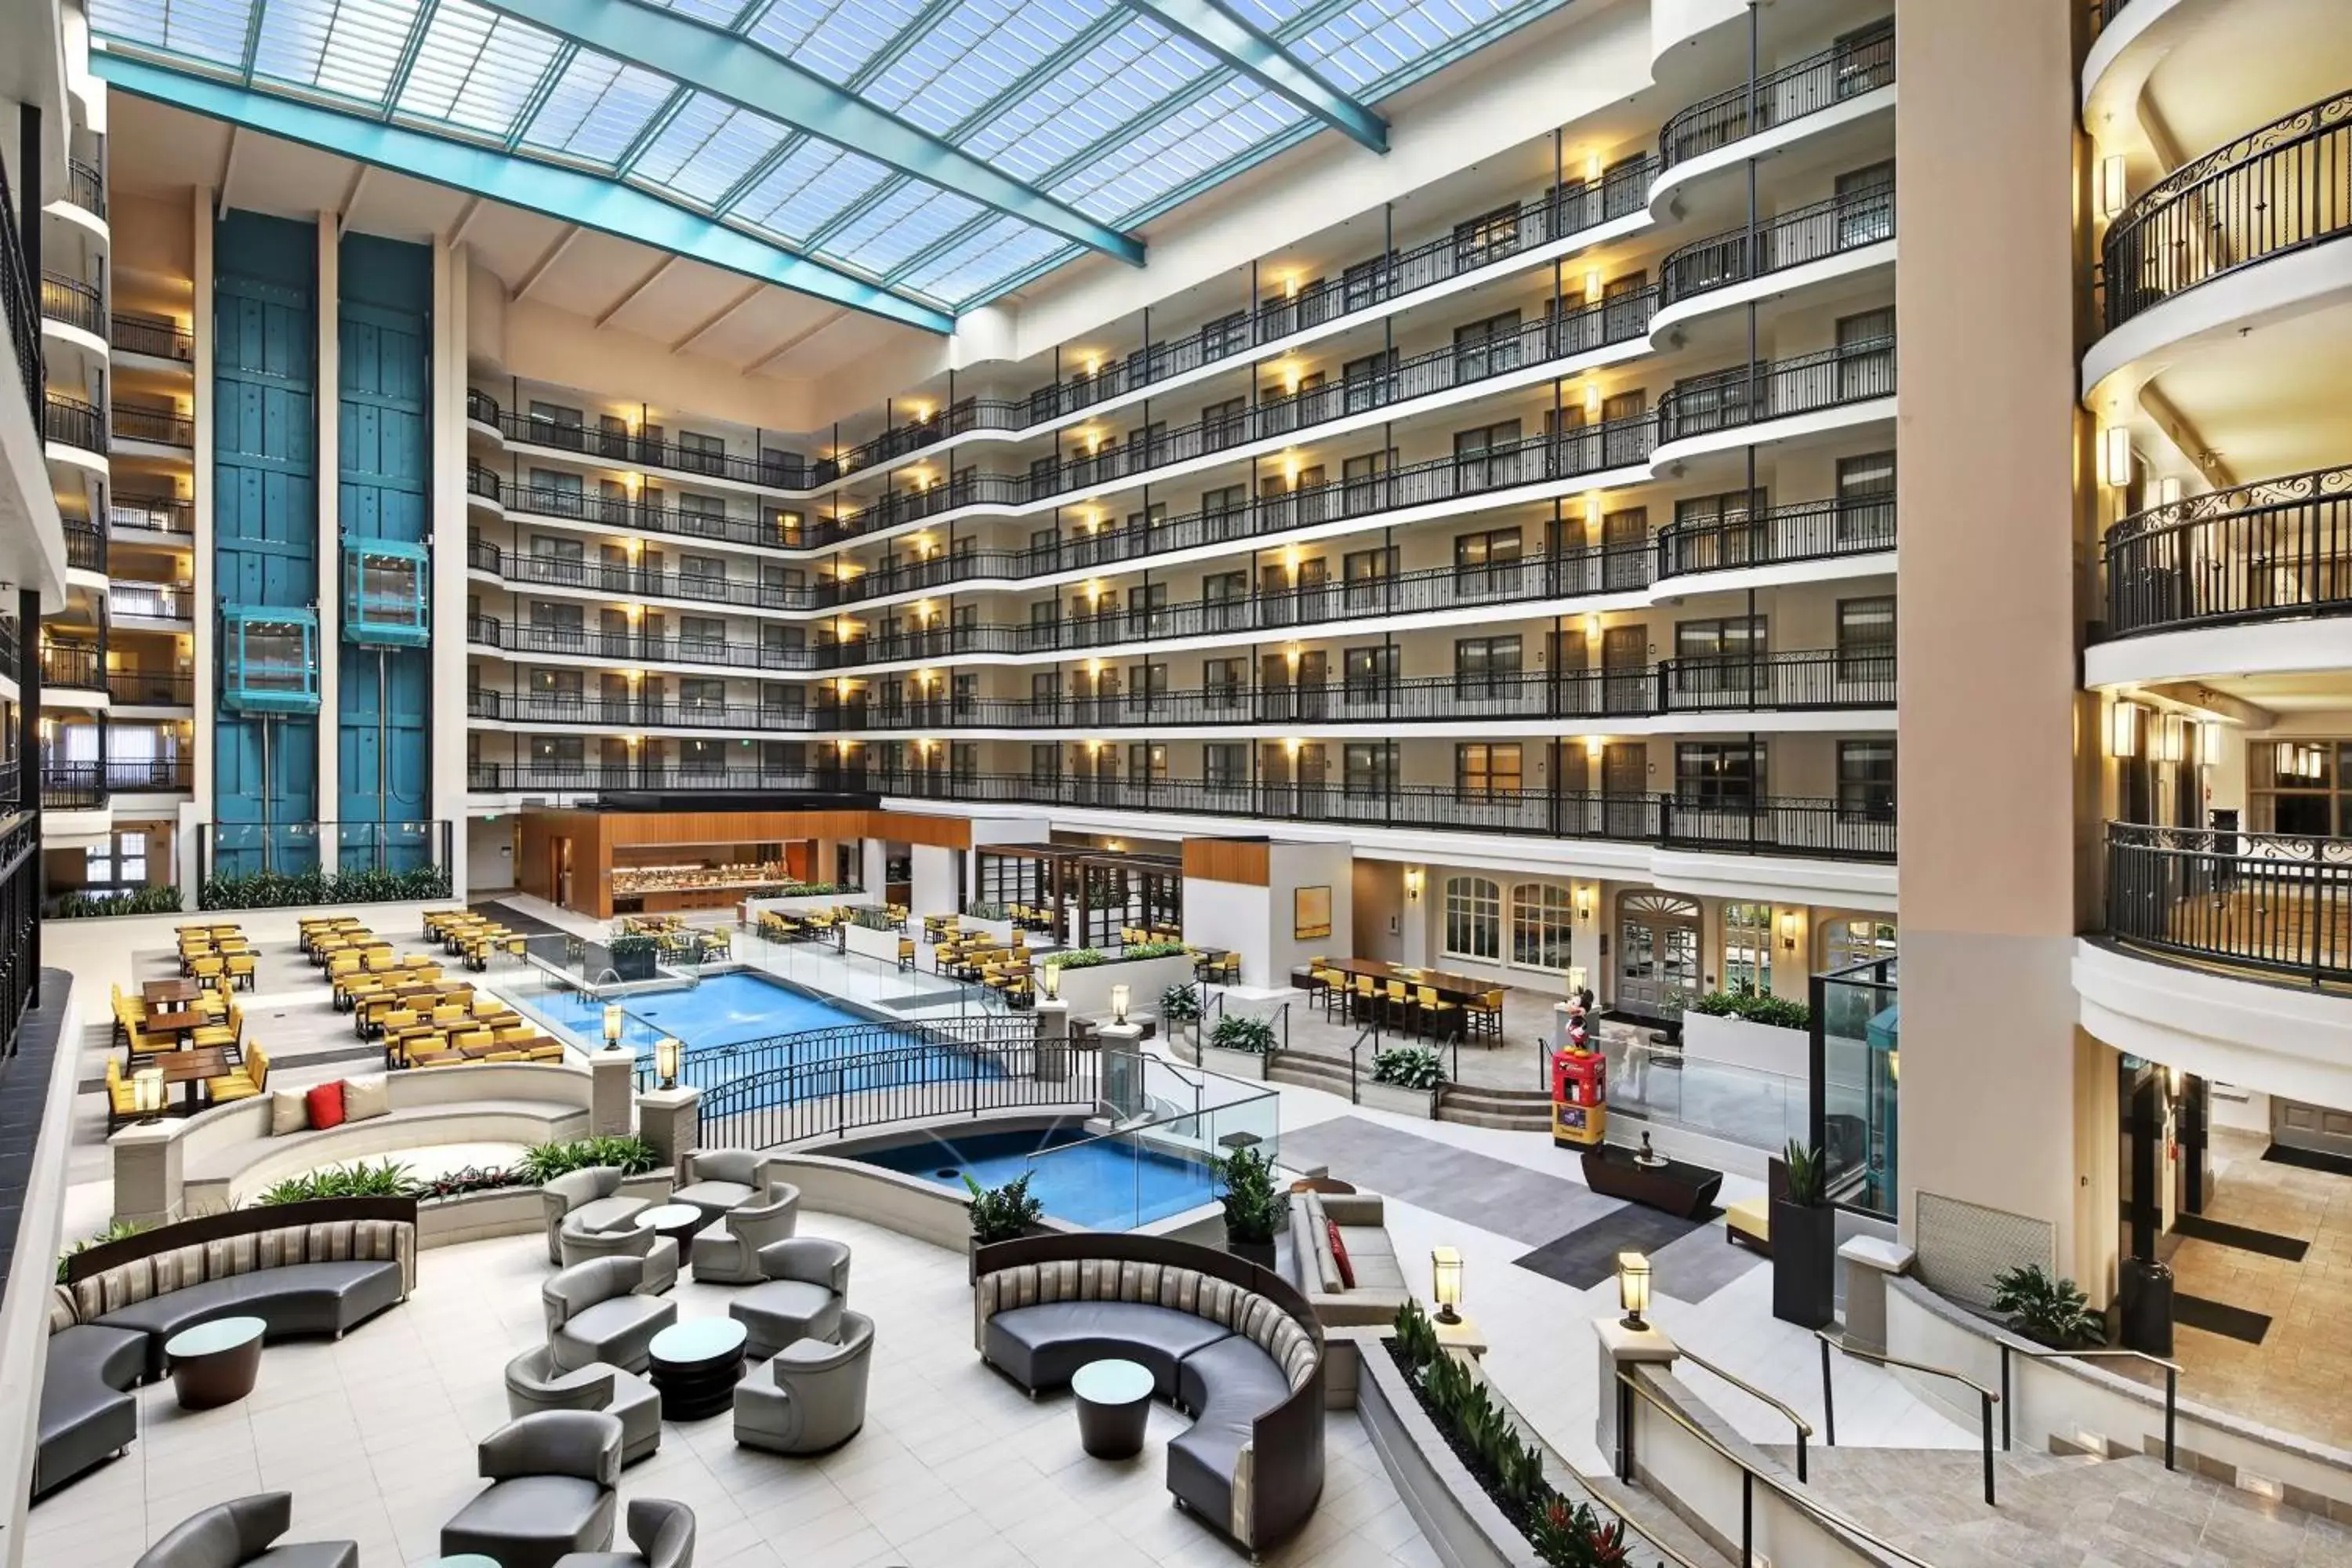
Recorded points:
(1804, 1253)
(1460, 1521)
(1421, 1102)
(1247, 1065)
(749, 910)
(1088, 991)
(998, 932)
(882, 945)
(635, 965)
(1742, 1043)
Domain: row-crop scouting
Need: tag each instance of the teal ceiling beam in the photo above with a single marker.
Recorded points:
(732, 68)
(550, 190)
(1255, 55)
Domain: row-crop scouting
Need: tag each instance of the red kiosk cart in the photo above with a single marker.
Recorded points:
(1579, 1098)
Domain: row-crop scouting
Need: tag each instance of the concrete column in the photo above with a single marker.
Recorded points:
(612, 1082)
(936, 886)
(147, 1174)
(1868, 1262)
(328, 302)
(205, 622)
(1621, 1350)
(447, 537)
(1122, 1066)
(1053, 1041)
(872, 869)
(1993, 745)
(666, 1118)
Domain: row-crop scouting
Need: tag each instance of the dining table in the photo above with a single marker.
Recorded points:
(178, 1021)
(1453, 987)
(159, 992)
(191, 1067)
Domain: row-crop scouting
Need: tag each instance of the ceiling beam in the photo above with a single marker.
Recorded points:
(1256, 56)
(696, 336)
(229, 173)
(793, 341)
(351, 195)
(528, 184)
(473, 210)
(637, 290)
(547, 260)
(716, 61)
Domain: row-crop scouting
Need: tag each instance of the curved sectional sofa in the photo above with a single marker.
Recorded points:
(319, 1267)
(1234, 1345)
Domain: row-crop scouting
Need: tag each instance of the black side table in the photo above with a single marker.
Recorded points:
(696, 1366)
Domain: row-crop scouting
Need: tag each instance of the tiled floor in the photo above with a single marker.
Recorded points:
(374, 1434)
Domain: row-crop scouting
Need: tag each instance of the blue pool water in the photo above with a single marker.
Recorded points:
(1106, 1185)
(724, 1010)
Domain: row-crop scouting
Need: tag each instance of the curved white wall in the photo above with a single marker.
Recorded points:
(2272, 1036)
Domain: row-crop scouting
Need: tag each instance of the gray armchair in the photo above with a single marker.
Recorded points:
(662, 1531)
(810, 1396)
(594, 1195)
(806, 1287)
(229, 1535)
(577, 1244)
(594, 1314)
(716, 1180)
(552, 1478)
(728, 1252)
(534, 1382)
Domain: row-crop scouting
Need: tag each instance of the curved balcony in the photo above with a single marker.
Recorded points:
(2269, 194)
(85, 187)
(1767, 390)
(2278, 903)
(1781, 536)
(20, 300)
(771, 470)
(1820, 232)
(69, 422)
(1845, 70)
(2277, 550)
(70, 303)
(84, 548)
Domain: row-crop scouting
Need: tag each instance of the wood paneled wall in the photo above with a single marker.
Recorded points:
(1241, 860)
(594, 835)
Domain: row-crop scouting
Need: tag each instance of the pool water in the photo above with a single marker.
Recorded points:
(1106, 1184)
(723, 1010)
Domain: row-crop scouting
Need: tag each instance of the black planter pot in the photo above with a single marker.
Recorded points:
(633, 965)
(1258, 1252)
(2144, 1300)
(1804, 1254)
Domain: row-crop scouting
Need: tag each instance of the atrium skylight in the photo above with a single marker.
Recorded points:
(1091, 117)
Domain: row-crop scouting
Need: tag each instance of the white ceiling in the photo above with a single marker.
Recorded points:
(2268, 401)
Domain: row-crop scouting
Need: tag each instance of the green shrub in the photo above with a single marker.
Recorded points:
(2053, 1313)
(1001, 1214)
(542, 1163)
(1143, 950)
(384, 1178)
(1180, 1005)
(987, 912)
(1809, 1174)
(1409, 1066)
(290, 889)
(1239, 1032)
(871, 917)
(116, 1230)
(162, 900)
(1743, 1002)
(1255, 1205)
(630, 943)
(1076, 958)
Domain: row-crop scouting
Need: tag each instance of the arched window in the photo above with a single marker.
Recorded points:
(1540, 926)
(1748, 947)
(1474, 918)
(1859, 939)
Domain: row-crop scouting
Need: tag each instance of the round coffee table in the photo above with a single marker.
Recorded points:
(677, 1221)
(695, 1366)
(1114, 1407)
(215, 1363)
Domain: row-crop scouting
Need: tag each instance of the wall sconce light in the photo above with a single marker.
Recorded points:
(1593, 746)
(2172, 738)
(1119, 998)
(2209, 742)
(1592, 626)
(1584, 904)
(1291, 743)
(2116, 456)
(2167, 490)
(1592, 400)
(2175, 1080)
(613, 1017)
(1049, 981)
(1593, 286)
(666, 1054)
(1788, 931)
(2114, 186)
(1634, 1289)
(1592, 164)
(2123, 730)
(1413, 882)
(1446, 1282)
(147, 1093)
(1592, 510)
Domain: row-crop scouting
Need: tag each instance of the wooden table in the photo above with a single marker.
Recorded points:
(1456, 987)
(189, 1068)
(157, 993)
(183, 1022)
(1674, 1185)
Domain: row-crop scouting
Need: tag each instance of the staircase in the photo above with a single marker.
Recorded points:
(1514, 1109)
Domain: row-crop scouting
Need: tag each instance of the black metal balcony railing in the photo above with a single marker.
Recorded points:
(78, 665)
(20, 300)
(73, 786)
(159, 336)
(2274, 191)
(606, 713)
(148, 774)
(2277, 550)
(85, 547)
(1805, 531)
(483, 482)
(541, 569)
(1777, 389)
(73, 302)
(161, 425)
(8, 630)
(2273, 901)
(150, 687)
(155, 514)
(2103, 12)
(154, 600)
(773, 470)
(1793, 239)
(85, 187)
(74, 423)
(1847, 70)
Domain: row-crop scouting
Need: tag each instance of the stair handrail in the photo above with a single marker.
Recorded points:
(1371, 1032)
(1986, 1397)
(1804, 1427)
(1628, 1389)
(2098, 1353)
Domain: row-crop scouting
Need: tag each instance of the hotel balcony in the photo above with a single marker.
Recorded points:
(150, 687)
(151, 337)
(153, 426)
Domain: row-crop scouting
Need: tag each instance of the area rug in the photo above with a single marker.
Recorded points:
(1587, 1256)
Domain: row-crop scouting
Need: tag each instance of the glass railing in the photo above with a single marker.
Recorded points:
(1748, 1106)
(1856, 1031)
(1170, 1124)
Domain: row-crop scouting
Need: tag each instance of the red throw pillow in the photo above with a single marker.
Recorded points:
(326, 1105)
(1339, 1254)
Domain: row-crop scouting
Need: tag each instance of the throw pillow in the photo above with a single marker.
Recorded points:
(326, 1105)
(1339, 1254)
(287, 1112)
(365, 1097)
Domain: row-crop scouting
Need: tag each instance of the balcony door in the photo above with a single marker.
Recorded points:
(1624, 669)
(1624, 783)
(1657, 954)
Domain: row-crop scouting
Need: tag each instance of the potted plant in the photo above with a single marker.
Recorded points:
(1404, 1079)
(2052, 1313)
(1180, 1006)
(1804, 1240)
(1255, 1207)
(632, 955)
(1001, 1214)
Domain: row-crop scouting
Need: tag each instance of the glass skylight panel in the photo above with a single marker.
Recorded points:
(975, 53)
(833, 38)
(1374, 40)
(718, 13)
(211, 30)
(349, 48)
(477, 69)
(596, 109)
(1266, 15)
(900, 226)
(814, 184)
(708, 146)
(1003, 249)
(1215, 129)
(1113, 85)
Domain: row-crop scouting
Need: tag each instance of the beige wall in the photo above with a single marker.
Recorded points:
(1987, 448)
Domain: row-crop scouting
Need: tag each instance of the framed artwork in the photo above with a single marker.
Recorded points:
(1310, 916)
